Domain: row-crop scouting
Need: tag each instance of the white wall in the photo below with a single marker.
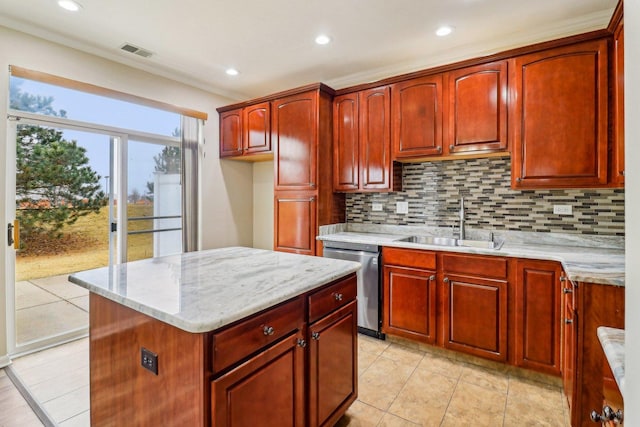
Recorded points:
(227, 201)
(632, 210)
(263, 205)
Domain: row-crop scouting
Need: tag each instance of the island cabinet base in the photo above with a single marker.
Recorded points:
(294, 364)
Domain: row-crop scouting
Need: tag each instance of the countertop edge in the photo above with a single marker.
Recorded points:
(612, 341)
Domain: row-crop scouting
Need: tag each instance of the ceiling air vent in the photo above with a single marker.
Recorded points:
(128, 47)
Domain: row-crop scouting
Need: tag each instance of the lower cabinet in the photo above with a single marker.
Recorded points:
(301, 377)
(475, 301)
(538, 309)
(333, 373)
(409, 294)
(269, 385)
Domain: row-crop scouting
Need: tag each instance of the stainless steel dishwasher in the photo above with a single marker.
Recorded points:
(369, 295)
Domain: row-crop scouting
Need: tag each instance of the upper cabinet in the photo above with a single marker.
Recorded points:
(295, 138)
(476, 109)
(417, 117)
(560, 117)
(231, 133)
(617, 170)
(362, 142)
(245, 133)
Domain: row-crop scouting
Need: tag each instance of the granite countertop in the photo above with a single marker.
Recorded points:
(591, 264)
(612, 341)
(203, 291)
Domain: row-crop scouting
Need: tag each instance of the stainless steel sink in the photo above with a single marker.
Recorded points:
(448, 241)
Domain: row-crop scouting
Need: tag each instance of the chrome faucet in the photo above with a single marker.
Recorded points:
(462, 233)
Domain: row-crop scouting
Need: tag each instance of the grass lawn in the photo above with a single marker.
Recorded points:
(85, 245)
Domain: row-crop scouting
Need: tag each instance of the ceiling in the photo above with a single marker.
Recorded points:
(272, 45)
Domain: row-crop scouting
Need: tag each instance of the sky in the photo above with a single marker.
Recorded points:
(86, 107)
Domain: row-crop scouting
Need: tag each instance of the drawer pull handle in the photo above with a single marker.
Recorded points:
(302, 343)
(338, 297)
(568, 321)
(315, 336)
(432, 278)
(268, 330)
(567, 290)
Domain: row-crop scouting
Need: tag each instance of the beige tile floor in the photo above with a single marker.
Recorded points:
(49, 306)
(14, 410)
(399, 385)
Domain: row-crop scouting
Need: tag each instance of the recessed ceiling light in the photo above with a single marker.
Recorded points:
(232, 72)
(445, 30)
(323, 39)
(69, 5)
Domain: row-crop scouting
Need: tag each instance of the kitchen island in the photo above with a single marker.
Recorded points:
(225, 337)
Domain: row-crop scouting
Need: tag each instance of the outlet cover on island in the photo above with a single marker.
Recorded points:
(402, 207)
(376, 207)
(563, 209)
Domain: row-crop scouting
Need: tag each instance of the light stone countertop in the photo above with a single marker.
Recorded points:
(203, 291)
(612, 341)
(591, 264)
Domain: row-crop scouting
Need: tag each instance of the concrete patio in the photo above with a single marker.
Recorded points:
(49, 306)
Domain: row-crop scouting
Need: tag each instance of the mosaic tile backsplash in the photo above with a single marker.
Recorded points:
(433, 191)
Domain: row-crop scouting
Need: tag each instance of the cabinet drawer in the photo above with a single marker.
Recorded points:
(483, 266)
(409, 258)
(332, 297)
(239, 341)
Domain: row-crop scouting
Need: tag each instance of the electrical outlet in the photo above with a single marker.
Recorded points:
(149, 360)
(563, 209)
(402, 207)
(376, 207)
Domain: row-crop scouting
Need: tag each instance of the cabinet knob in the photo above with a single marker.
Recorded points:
(568, 321)
(432, 277)
(302, 343)
(518, 179)
(445, 280)
(607, 415)
(596, 417)
(439, 149)
(268, 330)
(452, 147)
(315, 336)
(312, 184)
(567, 290)
(563, 278)
(338, 297)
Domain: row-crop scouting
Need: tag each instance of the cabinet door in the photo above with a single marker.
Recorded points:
(333, 366)
(375, 139)
(294, 135)
(476, 109)
(295, 222)
(231, 133)
(269, 386)
(346, 170)
(409, 303)
(475, 316)
(256, 137)
(617, 174)
(560, 107)
(417, 117)
(537, 324)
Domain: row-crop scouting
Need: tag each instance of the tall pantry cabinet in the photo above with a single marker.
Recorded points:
(301, 135)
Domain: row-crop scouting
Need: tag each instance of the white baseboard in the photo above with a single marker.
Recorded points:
(4, 361)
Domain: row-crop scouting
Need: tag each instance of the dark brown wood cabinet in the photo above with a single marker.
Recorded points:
(362, 142)
(538, 305)
(416, 109)
(475, 115)
(249, 389)
(295, 222)
(409, 294)
(231, 133)
(333, 376)
(560, 116)
(475, 304)
(617, 27)
(304, 199)
(256, 128)
(596, 305)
